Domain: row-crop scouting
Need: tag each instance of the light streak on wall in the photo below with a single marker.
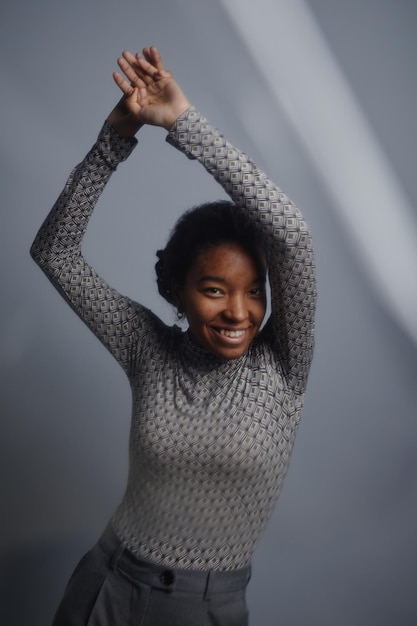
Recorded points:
(285, 42)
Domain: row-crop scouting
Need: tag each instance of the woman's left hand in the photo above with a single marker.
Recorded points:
(150, 94)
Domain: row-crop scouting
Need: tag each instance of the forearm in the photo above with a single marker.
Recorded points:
(113, 318)
(242, 180)
(60, 236)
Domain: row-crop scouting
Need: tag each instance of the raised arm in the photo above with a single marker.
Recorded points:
(57, 249)
(290, 328)
(291, 266)
(116, 320)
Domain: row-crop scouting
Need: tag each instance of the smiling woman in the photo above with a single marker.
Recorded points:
(223, 299)
(213, 270)
(215, 409)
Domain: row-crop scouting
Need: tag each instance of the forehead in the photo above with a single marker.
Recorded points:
(227, 260)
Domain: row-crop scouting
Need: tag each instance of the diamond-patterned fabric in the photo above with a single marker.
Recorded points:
(210, 439)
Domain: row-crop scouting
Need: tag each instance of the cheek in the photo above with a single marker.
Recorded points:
(199, 311)
(260, 310)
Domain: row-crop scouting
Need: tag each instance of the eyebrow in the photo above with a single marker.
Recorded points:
(219, 279)
(210, 278)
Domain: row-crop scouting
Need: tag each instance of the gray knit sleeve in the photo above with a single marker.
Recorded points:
(290, 329)
(116, 320)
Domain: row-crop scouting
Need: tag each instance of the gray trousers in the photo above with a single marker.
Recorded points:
(111, 587)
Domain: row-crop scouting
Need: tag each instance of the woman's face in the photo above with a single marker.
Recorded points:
(224, 300)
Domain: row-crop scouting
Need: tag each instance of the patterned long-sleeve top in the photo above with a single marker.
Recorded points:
(211, 438)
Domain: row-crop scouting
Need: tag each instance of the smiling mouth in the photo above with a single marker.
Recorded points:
(233, 334)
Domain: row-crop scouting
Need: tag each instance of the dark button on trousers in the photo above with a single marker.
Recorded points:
(111, 587)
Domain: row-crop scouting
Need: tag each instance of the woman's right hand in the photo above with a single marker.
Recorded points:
(150, 94)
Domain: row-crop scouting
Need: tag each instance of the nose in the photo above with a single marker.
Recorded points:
(235, 309)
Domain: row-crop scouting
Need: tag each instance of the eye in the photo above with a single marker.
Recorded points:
(213, 291)
(257, 292)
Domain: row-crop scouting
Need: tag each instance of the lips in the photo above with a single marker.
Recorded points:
(233, 334)
(229, 343)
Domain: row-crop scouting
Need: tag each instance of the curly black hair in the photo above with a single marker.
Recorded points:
(199, 228)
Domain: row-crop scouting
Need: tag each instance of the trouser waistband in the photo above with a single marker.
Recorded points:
(170, 578)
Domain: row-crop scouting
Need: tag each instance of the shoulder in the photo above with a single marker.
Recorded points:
(265, 354)
(154, 330)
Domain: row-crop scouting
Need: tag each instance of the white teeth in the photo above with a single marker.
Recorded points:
(232, 333)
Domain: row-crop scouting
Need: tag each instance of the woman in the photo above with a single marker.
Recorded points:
(215, 408)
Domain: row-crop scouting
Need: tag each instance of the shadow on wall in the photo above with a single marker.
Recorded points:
(31, 584)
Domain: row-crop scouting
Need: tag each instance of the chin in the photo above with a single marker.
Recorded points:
(230, 354)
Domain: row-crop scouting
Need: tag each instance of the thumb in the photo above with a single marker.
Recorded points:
(133, 96)
(137, 97)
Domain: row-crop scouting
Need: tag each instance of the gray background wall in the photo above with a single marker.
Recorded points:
(341, 546)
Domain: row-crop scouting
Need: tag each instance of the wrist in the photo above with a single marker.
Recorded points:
(112, 147)
(126, 131)
(125, 127)
(175, 114)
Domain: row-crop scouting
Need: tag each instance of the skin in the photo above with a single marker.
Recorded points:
(150, 93)
(223, 299)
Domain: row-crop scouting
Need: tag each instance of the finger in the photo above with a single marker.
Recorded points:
(132, 61)
(149, 71)
(130, 58)
(152, 56)
(133, 74)
(123, 85)
(146, 54)
(156, 58)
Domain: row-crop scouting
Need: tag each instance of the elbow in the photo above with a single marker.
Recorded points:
(41, 253)
(35, 252)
